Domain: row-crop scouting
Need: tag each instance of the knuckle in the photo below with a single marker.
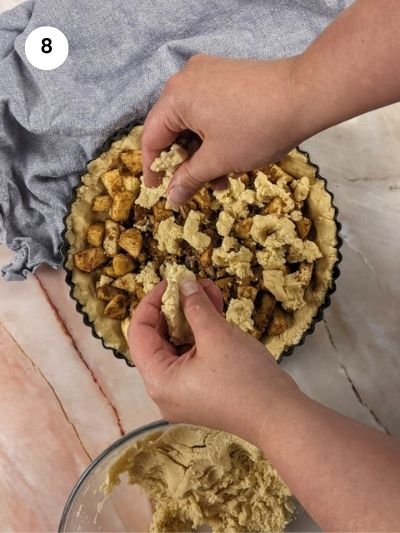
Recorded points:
(173, 83)
(166, 415)
(188, 178)
(193, 307)
(196, 58)
(155, 390)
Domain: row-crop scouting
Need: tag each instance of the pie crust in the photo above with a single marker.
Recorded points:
(280, 200)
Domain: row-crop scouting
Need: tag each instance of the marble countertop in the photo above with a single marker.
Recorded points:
(64, 398)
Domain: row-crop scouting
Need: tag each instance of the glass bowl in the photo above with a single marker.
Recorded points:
(127, 508)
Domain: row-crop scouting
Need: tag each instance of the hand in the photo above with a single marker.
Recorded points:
(227, 380)
(242, 110)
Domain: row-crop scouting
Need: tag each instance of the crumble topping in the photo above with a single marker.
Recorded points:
(178, 326)
(255, 240)
(272, 231)
(300, 250)
(168, 235)
(148, 277)
(235, 199)
(224, 223)
(266, 191)
(192, 234)
(167, 163)
(286, 288)
(235, 261)
(240, 312)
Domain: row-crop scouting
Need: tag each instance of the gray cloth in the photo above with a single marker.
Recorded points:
(121, 52)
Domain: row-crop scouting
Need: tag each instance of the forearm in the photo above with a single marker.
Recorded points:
(346, 475)
(351, 68)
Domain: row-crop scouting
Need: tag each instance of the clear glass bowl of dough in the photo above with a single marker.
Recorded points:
(127, 509)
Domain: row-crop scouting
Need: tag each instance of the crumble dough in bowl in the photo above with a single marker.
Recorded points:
(270, 242)
(180, 478)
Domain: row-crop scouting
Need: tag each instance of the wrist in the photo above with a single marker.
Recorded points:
(308, 116)
(284, 398)
(295, 115)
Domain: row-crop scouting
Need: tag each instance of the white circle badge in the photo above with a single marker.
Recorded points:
(46, 48)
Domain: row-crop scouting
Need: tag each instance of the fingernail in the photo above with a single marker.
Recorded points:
(177, 195)
(188, 287)
(151, 181)
(220, 184)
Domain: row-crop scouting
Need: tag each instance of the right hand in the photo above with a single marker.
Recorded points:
(227, 380)
(243, 110)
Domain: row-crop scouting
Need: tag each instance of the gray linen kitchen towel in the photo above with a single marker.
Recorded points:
(120, 54)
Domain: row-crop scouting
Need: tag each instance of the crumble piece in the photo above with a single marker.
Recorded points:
(150, 196)
(169, 160)
(236, 262)
(242, 227)
(239, 312)
(266, 191)
(287, 289)
(224, 223)
(300, 250)
(104, 280)
(305, 273)
(147, 277)
(296, 216)
(168, 235)
(272, 231)
(271, 258)
(179, 329)
(191, 233)
(236, 198)
(167, 163)
(301, 188)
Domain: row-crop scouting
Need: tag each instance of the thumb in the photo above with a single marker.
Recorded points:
(193, 173)
(199, 310)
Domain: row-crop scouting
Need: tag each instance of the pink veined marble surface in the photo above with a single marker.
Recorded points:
(63, 398)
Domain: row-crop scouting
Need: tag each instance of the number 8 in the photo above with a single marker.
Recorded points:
(46, 48)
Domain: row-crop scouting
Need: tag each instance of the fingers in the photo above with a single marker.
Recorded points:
(147, 343)
(199, 309)
(214, 293)
(200, 168)
(160, 130)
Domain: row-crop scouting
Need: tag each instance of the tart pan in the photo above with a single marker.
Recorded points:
(288, 351)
